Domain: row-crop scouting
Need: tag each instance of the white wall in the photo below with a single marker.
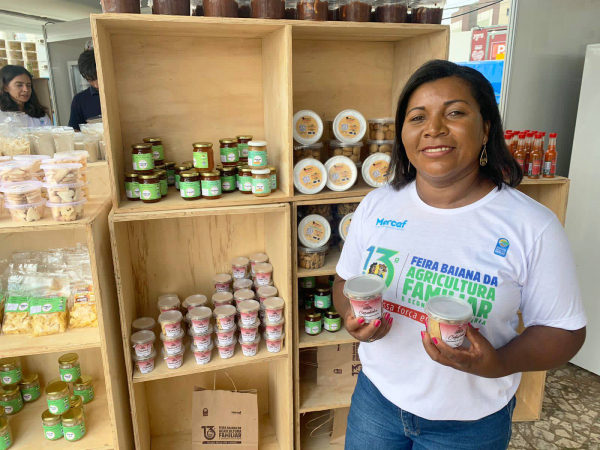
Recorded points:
(460, 46)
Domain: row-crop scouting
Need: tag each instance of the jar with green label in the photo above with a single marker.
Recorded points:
(84, 388)
(30, 388)
(10, 398)
(309, 298)
(229, 151)
(69, 367)
(313, 323)
(203, 156)
(242, 141)
(257, 153)
(158, 151)
(57, 396)
(178, 169)
(189, 185)
(143, 161)
(132, 186)
(245, 180)
(170, 168)
(10, 370)
(308, 282)
(211, 185)
(273, 174)
(76, 402)
(52, 425)
(150, 188)
(228, 178)
(261, 182)
(162, 178)
(73, 423)
(2, 412)
(323, 296)
(332, 321)
(6, 439)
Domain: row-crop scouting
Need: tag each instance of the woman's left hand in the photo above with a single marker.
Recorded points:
(481, 358)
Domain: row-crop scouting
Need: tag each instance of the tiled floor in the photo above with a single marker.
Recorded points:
(570, 415)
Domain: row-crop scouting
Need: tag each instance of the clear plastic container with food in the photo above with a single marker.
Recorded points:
(268, 9)
(222, 298)
(427, 11)
(73, 157)
(242, 295)
(312, 258)
(174, 361)
(248, 310)
(448, 319)
(27, 213)
(202, 355)
(263, 274)
(248, 332)
(200, 319)
(391, 11)
(64, 173)
(308, 126)
(310, 176)
(242, 283)
(383, 128)
(65, 193)
(22, 193)
(341, 173)
(352, 151)
(170, 322)
(314, 151)
(274, 345)
(225, 337)
(35, 160)
(225, 317)
(365, 293)
(15, 171)
(274, 330)
(168, 302)
(315, 10)
(145, 364)
(226, 351)
(384, 147)
(274, 309)
(222, 282)
(350, 126)
(240, 267)
(143, 342)
(67, 212)
(172, 344)
(375, 170)
(143, 323)
(194, 301)
(201, 340)
(250, 348)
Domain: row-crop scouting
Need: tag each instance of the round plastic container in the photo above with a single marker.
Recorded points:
(226, 351)
(248, 310)
(382, 129)
(264, 274)
(170, 323)
(225, 317)
(341, 173)
(65, 193)
(349, 126)
(200, 319)
(15, 171)
(195, 301)
(201, 340)
(27, 213)
(308, 127)
(173, 361)
(225, 337)
(274, 330)
(22, 193)
(310, 176)
(265, 292)
(222, 298)
(67, 212)
(168, 302)
(240, 267)
(143, 323)
(427, 11)
(345, 225)
(257, 258)
(365, 293)
(375, 169)
(145, 364)
(274, 344)
(242, 295)
(143, 342)
(172, 344)
(274, 309)
(248, 332)
(202, 355)
(314, 231)
(75, 157)
(312, 258)
(250, 348)
(222, 282)
(448, 319)
(242, 283)
(309, 151)
(385, 147)
(61, 173)
(35, 160)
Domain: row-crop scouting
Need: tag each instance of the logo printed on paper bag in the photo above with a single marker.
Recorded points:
(205, 412)
(209, 432)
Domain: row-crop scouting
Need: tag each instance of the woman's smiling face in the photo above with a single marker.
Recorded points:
(443, 130)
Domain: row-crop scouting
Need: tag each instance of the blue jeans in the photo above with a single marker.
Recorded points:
(375, 423)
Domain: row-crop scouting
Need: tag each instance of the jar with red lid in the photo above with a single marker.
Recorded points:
(229, 152)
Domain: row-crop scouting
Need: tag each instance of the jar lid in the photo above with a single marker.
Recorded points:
(168, 302)
(10, 361)
(382, 120)
(345, 225)
(257, 143)
(224, 310)
(310, 176)
(183, 167)
(323, 288)
(68, 358)
(228, 141)
(195, 300)
(246, 169)
(150, 176)
(229, 168)
(243, 294)
(210, 173)
(450, 310)
(144, 358)
(200, 313)
(242, 283)
(192, 333)
(170, 164)
(263, 268)
(160, 172)
(321, 249)
(364, 286)
(248, 305)
(173, 338)
(49, 418)
(258, 257)
(353, 116)
(141, 146)
(309, 146)
(374, 167)
(202, 144)
(53, 380)
(170, 317)
(76, 401)
(83, 380)
(304, 123)
(273, 303)
(221, 278)
(222, 297)
(314, 231)
(144, 323)
(337, 177)
(244, 136)
(267, 291)
(59, 387)
(142, 337)
(261, 171)
(72, 416)
(131, 174)
(240, 261)
(29, 378)
(152, 140)
(188, 174)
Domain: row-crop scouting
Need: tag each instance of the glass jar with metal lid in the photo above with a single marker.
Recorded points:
(242, 141)
(52, 425)
(10, 398)
(10, 370)
(257, 153)
(30, 388)
(162, 178)
(2, 412)
(323, 296)
(189, 185)
(76, 401)
(69, 367)
(228, 178)
(261, 182)
(273, 174)
(183, 167)
(132, 186)
(6, 438)
(143, 161)
(73, 423)
(211, 185)
(84, 388)
(313, 323)
(158, 151)
(57, 396)
(170, 168)
(150, 188)
(245, 180)
(229, 151)
(203, 156)
(332, 321)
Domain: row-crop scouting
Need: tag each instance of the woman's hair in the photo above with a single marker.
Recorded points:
(87, 65)
(501, 167)
(33, 107)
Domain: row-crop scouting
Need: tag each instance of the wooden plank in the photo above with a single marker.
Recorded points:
(99, 179)
(552, 194)
(361, 32)
(360, 189)
(70, 341)
(321, 398)
(324, 338)
(331, 261)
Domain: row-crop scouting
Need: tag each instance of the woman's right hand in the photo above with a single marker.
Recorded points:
(368, 332)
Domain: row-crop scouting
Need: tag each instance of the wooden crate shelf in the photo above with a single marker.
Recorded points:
(321, 398)
(69, 341)
(324, 338)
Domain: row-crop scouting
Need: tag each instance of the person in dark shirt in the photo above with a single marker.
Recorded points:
(86, 103)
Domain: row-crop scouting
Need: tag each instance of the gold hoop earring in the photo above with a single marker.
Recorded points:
(483, 159)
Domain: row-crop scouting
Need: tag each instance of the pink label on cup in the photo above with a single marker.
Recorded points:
(169, 308)
(146, 366)
(249, 349)
(222, 287)
(226, 322)
(274, 346)
(249, 317)
(226, 352)
(453, 335)
(174, 362)
(201, 325)
(369, 310)
(202, 342)
(172, 347)
(248, 334)
(225, 337)
(239, 272)
(172, 329)
(202, 356)
(143, 349)
(263, 279)
(274, 331)
(274, 315)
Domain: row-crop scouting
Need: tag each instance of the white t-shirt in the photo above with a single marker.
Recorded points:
(503, 253)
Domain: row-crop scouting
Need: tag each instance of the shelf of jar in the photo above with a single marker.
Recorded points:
(69, 341)
(320, 398)
(28, 433)
(324, 338)
(331, 261)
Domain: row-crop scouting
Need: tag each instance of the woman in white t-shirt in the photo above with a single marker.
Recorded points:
(17, 95)
(451, 223)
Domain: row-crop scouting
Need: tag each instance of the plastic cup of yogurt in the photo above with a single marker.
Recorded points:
(242, 295)
(240, 267)
(225, 317)
(264, 292)
(274, 330)
(143, 323)
(264, 274)
(202, 355)
(273, 309)
(222, 282)
(448, 319)
(225, 337)
(143, 342)
(170, 322)
(168, 302)
(248, 332)
(242, 283)
(172, 344)
(200, 318)
(222, 298)
(145, 364)
(174, 361)
(248, 310)
(226, 351)
(274, 344)
(201, 340)
(195, 301)
(365, 293)
(250, 348)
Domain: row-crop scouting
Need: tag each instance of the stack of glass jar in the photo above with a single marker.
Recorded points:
(316, 304)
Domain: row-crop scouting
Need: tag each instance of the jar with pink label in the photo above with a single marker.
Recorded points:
(273, 309)
(250, 348)
(168, 302)
(226, 351)
(201, 340)
(264, 274)
(170, 322)
(274, 330)
(225, 317)
(257, 258)
(240, 267)
(248, 311)
(200, 319)
(225, 337)
(242, 283)
(172, 344)
(143, 323)
(274, 344)
(195, 301)
(202, 355)
(365, 293)
(448, 319)
(145, 364)
(174, 361)
(222, 282)
(243, 295)
(222, 298)
(143, 342)
(264, 292)
(248, 332)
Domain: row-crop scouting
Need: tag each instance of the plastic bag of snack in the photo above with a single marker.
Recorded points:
(48, 297)
(82, 303)
(16, 304)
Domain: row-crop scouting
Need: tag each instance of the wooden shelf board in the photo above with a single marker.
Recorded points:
(190, 367)
(331, 261)
(360, 189)
(353, 31)
(28, 434)
(267, 440)
(555, 180)
(71, 340)
(324, 338)
(321, 398)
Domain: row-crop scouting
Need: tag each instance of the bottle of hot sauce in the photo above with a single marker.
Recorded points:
(508, 140)
(528, 149)
(550, 158)
(535, 157)
(515, 141)
(519, 154)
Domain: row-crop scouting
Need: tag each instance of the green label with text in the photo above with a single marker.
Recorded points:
(16, 303)
(332, 324)
(47, 305)
(171, 177)
(229, 155)
(158, 152)
(322, 301)
(201, 160)
(54, 432)
(70, 374)
(132, 189)
(228, 184)
(12, 406)
(74, 433)
(273, 183)
(211, 188)
(257, 158)
(150, 191)
(246, 184)
(11, 376)
(143, 162)
(261, 185)
(59, 406)
(6, 441)
(313, 327)
(189, 189)
(31, 394)
(87, 395)
(243, 150)
(164, 187)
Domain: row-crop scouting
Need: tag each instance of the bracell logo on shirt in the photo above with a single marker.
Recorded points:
(502, 247)
(388, 223)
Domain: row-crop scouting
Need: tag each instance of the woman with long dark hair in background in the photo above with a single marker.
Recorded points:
(17, 95)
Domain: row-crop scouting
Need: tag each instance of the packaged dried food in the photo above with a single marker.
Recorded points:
(35, 160)
(83, 387)
(220, 8)
(27, 213)
(42, 142)
(346, 208)
(91, 145)
(308, 126)
(375, 170)
(341, 173)
(63, 173)
(16, 315)
(365, 294)
(63, 139)
(66, 193)
(321, 210)
(145, 364)
(308, 151)
(391, 11)
(274, 344)
(82, 304)
(382, 129)
(385, 147)
(174, 361)
(312, 258)
(310, 176)
(250, 348)
(48, 311)
(15, 171)
(67, 212)
(202, 355)
(71, 157)
(73, 422)
(349, 126)
(355, 11)
(22, 193)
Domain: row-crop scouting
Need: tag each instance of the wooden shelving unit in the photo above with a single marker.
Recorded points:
(100, 349)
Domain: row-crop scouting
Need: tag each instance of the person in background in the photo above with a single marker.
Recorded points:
(17, 95)
(86, 104)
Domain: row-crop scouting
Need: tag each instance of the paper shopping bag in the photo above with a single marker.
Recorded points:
(338, 365)
(340, 421)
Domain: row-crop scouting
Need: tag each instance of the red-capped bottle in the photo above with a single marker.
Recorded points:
(535, 157)
(549, 170)
(528, 149)
(519, 154)
(508, 140)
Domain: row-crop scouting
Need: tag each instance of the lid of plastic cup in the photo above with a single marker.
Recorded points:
(208, 331)
(313, 250)
(242, 283)
(221, 297)
(344, 225)
(314, 231)
(280, 338)
(273, 303)
(30, 157)
(362, 126)
(267, 291)
(382, 120)
(144, 323)
(304, 171)
(256, 324)
(448, 309)
(364, 286)
(248, 305)
(195, 349)
(307, 116)
(243, 294)
(21, 187)
(334, 182)
(221, 278)
(142, 337)
(144, 358)
(179, 353)
(258, 257)
(170, 316)
(224, 310)
(310, 146)
(173, 338)
(195, 300)
(263, 268)
(240, 261)
(200, 313)
(255, 341)
(368, 173)
(168, 302)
